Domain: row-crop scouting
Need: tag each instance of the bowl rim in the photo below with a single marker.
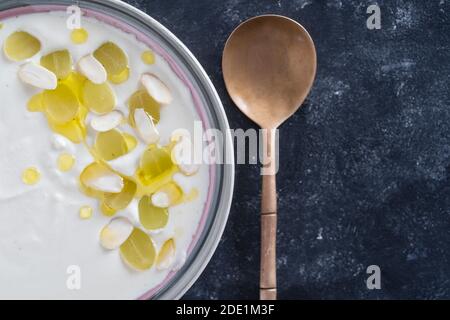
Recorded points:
(203, 249)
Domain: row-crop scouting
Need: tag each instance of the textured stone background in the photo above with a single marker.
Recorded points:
(365, 164)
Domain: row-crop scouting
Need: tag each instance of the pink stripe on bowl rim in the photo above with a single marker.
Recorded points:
(154, 45)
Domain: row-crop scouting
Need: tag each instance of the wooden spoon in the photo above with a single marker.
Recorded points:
(269, 65)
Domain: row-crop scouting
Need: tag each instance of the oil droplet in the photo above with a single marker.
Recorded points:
(86, 212)
(58, 62)
(151, 217)
(115, 62)
(61, 105)
(35, 104)
(121, 77)
(192, 195)
(138, 250)
(141, 99)
(65, 162)
(99, 98)
(110, 145)
(20, 46)
(130, 141)
(79, 36)
(166, 255)
(148, 57)
(107, 211)
(31, 176)
(119, 201)
(155, 163)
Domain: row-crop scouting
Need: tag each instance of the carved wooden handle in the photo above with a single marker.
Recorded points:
(268, 280)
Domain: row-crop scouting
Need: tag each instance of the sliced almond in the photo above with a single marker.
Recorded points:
(61, 143)
(128, 163)
(111, 183)
(92, 69)
(145, 126)
(115, 233)
(156, 88)
(38, 76)
(166, 256)
(106, 122)
(161, 199)
(182, 155)
(100, 178)
(168, 195)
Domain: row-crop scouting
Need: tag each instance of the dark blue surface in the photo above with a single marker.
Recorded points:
(365, 164)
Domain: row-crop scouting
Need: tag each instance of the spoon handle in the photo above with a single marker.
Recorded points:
(268, 276)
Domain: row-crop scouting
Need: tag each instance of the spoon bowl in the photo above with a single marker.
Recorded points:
(269, 65)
